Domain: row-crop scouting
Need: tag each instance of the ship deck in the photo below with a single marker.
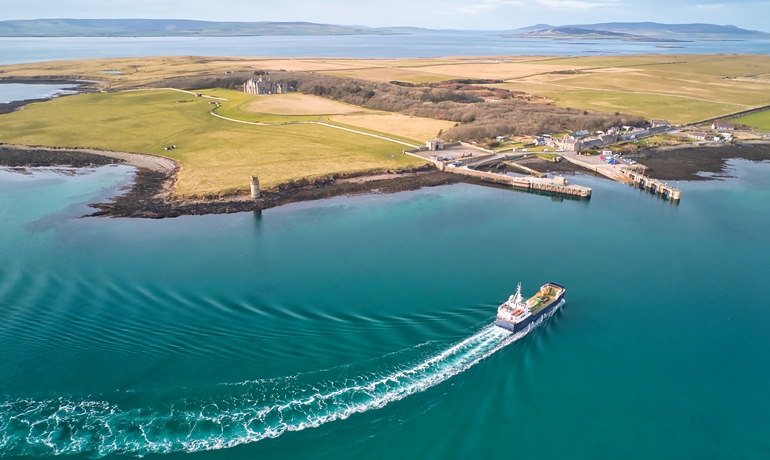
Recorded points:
(545, 300)
(548, 300)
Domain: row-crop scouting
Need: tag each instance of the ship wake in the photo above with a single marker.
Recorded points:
(239, 413)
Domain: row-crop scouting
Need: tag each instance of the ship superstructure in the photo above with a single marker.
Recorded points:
(516, 313)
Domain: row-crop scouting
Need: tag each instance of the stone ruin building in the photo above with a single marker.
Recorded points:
(258, 86)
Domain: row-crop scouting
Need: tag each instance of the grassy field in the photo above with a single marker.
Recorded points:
(420, 129)
(299, 104)
(678, 110)
(235, 104)
(759, 120)
(217, 156)
(681, 88)
(238, 106)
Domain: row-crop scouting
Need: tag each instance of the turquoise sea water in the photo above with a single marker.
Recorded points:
(358, 327)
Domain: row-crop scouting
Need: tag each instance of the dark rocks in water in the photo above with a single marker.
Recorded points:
(148, 197)
(15, 157)
(689, 163)
(680, 163)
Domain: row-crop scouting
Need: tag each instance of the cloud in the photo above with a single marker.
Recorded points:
(487, 5)
(577, 4)
(712, 6)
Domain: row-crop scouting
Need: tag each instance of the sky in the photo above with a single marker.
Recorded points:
(432, 14)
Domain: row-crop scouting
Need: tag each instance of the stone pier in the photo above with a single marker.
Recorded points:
(557, 185)
(652, 185)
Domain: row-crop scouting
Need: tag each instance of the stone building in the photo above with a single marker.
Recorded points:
(437, 144)
(258, 86)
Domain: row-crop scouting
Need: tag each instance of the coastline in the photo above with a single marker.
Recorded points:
(77, 87)
(683, 162)
(151, 192)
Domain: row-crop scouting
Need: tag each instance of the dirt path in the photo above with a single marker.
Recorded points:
(256, 123)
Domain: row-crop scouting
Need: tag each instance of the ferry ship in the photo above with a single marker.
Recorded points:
(516, 313)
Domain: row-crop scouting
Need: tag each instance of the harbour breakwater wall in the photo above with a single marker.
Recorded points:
(653, 185)
(627, 174)
(557, 185)
(600, 168)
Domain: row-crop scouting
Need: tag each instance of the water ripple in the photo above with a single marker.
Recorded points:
(239, 413)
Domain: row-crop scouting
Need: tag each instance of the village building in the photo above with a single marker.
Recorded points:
(436, 144)
(722, 125)
(701, 136)
(637, 134)
(608, 139)
(582, 133)
(257, 86)
(656, 123)
(591, 143)
(570, 144)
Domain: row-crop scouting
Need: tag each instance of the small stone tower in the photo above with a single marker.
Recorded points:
(255, 191)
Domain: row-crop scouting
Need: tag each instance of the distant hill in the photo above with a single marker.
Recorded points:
(576, 32)
(177, 28)
(654, 29)
(636, 31)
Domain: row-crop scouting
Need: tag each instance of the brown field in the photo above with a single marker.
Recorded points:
(297, 65)
(492, 71)
(395, 62)
(300, 104)
(386, 74)
(417, 128)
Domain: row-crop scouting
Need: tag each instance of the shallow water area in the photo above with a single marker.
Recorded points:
(358, 327)
(12, 92)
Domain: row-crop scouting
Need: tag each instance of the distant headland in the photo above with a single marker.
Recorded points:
(635, 31)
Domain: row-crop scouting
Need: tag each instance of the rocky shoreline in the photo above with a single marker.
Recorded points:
(77, 87)
(150, 195)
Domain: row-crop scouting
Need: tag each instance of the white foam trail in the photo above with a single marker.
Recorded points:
(63, 426)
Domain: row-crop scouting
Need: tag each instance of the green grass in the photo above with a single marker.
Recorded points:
(675, 109)
(216, 156)
(759, 120)
(680, 88)
(235, 107)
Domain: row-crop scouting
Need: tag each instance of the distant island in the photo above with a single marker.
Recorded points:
(641, 31)
(632, 31)
(178, 28)
(576, 32)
